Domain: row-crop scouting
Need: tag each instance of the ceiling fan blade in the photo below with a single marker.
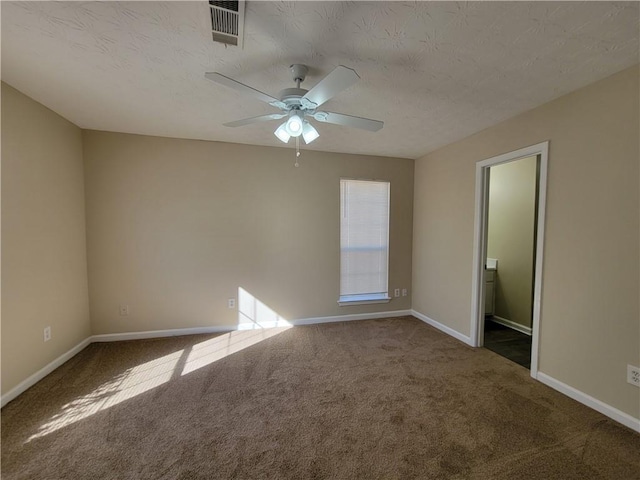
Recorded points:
(338, 80)
(242, 88)
(261, 118)
(349, 121)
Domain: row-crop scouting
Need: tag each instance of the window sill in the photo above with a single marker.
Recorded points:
(350, 300)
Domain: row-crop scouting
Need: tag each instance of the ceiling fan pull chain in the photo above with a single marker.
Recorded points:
(297, 152)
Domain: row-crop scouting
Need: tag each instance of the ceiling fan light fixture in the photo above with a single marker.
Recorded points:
(282, 134)
(309, 134)
(293, 126)
(297, 105)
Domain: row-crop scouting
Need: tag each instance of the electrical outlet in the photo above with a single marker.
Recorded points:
(231, 303)
(396, 292)
(47, 334)
(404, 292)
(633, 375)
(124, 310)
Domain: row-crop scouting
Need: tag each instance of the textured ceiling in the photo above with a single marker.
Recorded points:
(435, 72)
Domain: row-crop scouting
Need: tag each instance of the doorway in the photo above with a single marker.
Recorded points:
(511, 233)
(508, 248)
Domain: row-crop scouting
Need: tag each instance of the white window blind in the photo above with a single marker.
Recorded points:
(364, 241)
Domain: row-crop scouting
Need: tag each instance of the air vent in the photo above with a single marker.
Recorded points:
(227, 21)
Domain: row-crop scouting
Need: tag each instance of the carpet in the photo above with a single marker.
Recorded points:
(374, 399)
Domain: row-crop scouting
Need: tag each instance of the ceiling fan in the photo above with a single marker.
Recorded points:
(300, 105)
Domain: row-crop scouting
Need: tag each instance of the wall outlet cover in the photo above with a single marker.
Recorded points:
(633, 375)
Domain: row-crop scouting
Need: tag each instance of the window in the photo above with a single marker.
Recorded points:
(364, 242)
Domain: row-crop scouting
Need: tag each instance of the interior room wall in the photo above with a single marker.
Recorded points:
(175, 227)
(44, 267)
(590, 312)
(510, 237)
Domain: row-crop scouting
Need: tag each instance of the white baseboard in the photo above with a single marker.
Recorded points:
(605, 409)
(510, 324)
(443, 328)
(43, 372)
(176, 332)
(611, 412)
(591, 402)
(346, 318)
(118, 337)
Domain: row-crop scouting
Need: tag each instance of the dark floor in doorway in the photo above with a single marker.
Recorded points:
(505, 341)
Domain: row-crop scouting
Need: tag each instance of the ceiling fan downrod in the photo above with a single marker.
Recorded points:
(299, 73)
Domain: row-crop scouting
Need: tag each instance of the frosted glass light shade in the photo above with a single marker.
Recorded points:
(281, 133)
(309, 134)
(293, 126)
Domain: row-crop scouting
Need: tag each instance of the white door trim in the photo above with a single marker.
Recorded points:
(480, 244)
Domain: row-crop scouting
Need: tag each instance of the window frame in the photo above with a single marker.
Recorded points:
(366, 298)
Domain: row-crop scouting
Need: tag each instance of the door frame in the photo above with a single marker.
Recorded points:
(541, 150)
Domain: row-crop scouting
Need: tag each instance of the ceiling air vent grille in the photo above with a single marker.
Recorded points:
(227, 21)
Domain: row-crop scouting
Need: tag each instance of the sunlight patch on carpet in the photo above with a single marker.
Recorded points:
(128, 384)
(206, 353)
(256, 322)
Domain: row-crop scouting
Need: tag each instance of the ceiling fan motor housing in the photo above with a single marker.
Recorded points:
(291, 97)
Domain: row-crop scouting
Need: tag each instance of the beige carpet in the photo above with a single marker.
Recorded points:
(390, 398)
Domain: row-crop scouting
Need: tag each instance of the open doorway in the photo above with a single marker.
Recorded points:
(508, 247)
(509, 263)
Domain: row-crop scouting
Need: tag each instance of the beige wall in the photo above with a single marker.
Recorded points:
(44, 269)
(510, 238)
(176, 226)
(590, 318)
